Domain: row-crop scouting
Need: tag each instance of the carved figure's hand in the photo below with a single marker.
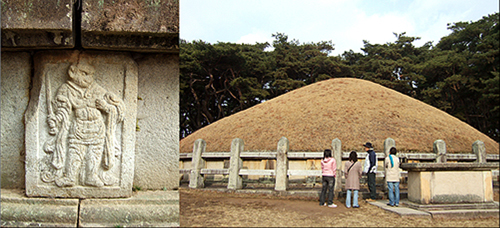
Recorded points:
(51, 120)
(101, 104)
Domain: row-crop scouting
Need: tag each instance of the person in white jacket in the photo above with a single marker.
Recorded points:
(392, 176)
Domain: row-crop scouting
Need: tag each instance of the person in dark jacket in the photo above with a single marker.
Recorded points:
(370, 169)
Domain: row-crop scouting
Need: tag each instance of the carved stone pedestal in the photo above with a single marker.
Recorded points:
(144, 208)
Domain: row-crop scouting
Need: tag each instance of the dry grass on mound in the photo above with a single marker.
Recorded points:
(353, 110)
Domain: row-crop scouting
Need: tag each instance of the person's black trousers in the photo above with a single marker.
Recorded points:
(371, 185)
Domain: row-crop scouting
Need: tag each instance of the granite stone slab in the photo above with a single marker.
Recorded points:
(20, 211)
(157, 126)
(37, 24)
(131, 25)
(144, 208)
(16, 74)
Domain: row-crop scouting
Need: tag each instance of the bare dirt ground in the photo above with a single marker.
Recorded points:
(209, 208)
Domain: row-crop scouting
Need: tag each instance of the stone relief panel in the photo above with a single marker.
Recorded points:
(80, 125)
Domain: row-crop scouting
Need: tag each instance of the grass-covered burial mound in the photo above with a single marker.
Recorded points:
(353, 110)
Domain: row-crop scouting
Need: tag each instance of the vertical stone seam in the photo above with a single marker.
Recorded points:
(78, 213)
(77, 24)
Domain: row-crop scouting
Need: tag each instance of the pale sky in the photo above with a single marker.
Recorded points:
(345, 22)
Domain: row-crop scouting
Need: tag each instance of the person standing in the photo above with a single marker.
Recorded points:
(392, 176)
(370, 168)
(329, 171)
(352, 172)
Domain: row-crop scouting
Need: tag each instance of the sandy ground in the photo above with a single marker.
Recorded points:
(205, 208)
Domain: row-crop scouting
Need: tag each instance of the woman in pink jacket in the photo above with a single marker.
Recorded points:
(329, 169)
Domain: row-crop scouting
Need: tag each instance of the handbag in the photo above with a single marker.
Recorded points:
(350, 167)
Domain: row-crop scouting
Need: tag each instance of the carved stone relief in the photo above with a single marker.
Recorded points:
(80, 125)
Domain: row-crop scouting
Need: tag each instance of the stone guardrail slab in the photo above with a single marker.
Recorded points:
(131, 25)
(37, 24)
(215, 171)
(144, 208)
(304, 172)
(470, 166)
(269, 172)
(345, 155)
(18, 210)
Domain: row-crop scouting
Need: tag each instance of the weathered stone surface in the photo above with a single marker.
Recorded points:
(145, 208)
(21, 211)
(480, 151)
(80, 133)
(131, 25)
(282, 165)
(439, 148)
(438, 187)
(37, 24)
(235, 181)
(157, 146)
(195, 178)
(337, 155)
(465, 166)
(388, 144)
(16, 70)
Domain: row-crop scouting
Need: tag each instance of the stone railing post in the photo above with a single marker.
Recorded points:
(337, 155)
(197, 163)
(235, 163)
(440, 150)
(282, 165)
(480, 151)
(388, 144)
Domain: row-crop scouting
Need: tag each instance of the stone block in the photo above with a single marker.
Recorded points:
(439, 148)
(21, 211)
(80, 125)
(143, 209)
(196, 180)
(16, 78)
(157, 146)
(282, 165)
(480, 151)
(37, 24)
(131, 25)
(337, 155)
(235, 163)
(438, 187)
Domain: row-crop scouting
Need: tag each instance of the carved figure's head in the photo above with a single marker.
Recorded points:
(81, 73)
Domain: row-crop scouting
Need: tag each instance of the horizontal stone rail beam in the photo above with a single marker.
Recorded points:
(265, 172)
(262, 155)
(258, 172)
(305, 155)
(212, 155)
(214, 171)
(304, 172)
(271, 172)
(282, 156)
(345, 156)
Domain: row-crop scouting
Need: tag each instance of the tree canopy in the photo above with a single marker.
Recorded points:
(458, 75)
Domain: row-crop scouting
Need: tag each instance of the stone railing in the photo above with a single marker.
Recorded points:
(281, 172)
